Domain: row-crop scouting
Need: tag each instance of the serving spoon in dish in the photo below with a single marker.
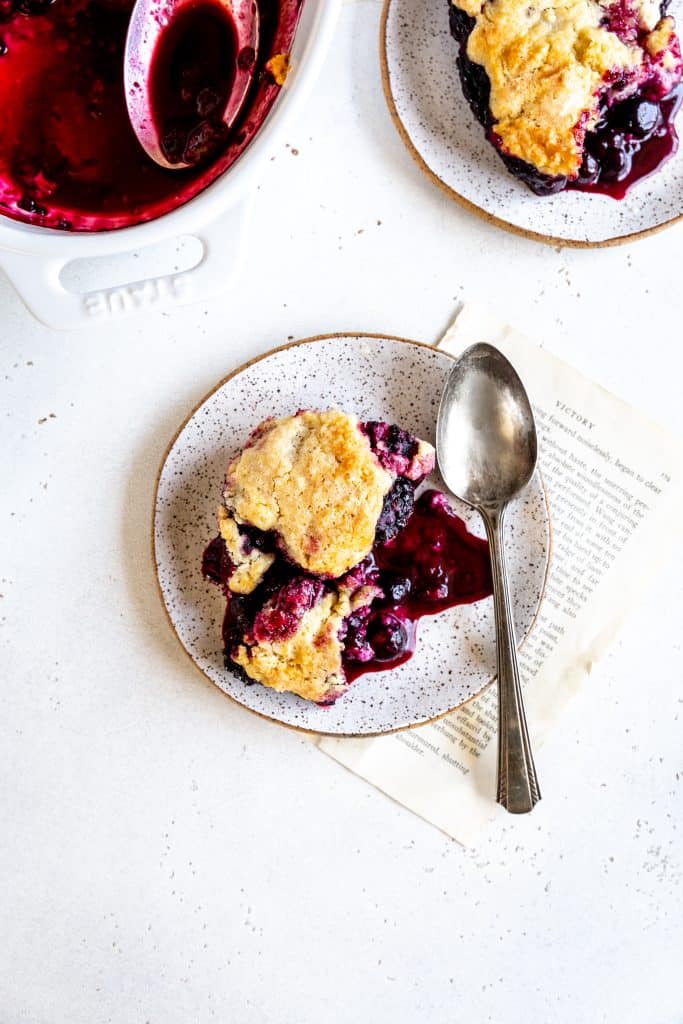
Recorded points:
(486, 449)
(188, 66)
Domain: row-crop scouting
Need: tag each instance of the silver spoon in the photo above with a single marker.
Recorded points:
(486, 449)
(149, 19)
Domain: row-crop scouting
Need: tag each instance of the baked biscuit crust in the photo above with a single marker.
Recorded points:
(549, 62)
(250, 564)
(314, 481)
(308, 659)
(305, 501)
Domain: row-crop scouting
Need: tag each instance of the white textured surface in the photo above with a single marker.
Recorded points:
(425, 87)
(167, 857)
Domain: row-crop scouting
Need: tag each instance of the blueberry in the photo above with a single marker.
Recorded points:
(590, 170)
(237, 622)
(615, 158)
(434, 585)
(388, 636)
(637, 118)
(236, 669)
(216, 564)
(396, 588)
(599, 146)
(252, 538)
(356, 622)
(544, 184)
(400, 442)
(644, 117)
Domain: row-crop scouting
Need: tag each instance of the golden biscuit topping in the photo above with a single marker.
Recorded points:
(547, 62)
(660, 39)
(279, 66)
(250, 566)
(309, 661)
(314, 480)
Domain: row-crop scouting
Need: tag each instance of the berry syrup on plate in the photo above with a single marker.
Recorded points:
(433, 564)
(631, 141)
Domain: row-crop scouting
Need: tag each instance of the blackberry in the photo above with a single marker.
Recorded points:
(396, 510)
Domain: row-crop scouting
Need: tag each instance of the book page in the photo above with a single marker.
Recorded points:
(615, 485)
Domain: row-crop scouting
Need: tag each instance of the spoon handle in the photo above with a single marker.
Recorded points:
(518, 788)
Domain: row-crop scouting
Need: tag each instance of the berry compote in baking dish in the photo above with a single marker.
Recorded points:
(69, 158)
(326, 556)
(573, 94)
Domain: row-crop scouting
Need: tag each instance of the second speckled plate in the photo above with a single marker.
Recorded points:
(376, 378)
(426, 101)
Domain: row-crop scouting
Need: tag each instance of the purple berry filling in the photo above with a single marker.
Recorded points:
(394, 447)
(281, 616)
(397, 450)
(388, 636)
(253, 538)
(216, 564)
(354, 634)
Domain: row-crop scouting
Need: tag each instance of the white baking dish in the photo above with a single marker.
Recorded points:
(34, 258)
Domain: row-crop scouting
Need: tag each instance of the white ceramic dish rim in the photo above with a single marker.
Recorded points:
(312, 41)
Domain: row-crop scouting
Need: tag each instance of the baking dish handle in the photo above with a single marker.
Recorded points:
(37, 279)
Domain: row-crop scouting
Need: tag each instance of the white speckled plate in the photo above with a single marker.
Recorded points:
(425, 98)
(376, 378)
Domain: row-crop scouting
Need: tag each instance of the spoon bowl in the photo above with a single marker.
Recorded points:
(486, 439)
(486, 449)
(150, 22)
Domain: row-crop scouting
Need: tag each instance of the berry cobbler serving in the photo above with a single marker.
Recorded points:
(69, 158)
(328, 556)
(573, 94)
